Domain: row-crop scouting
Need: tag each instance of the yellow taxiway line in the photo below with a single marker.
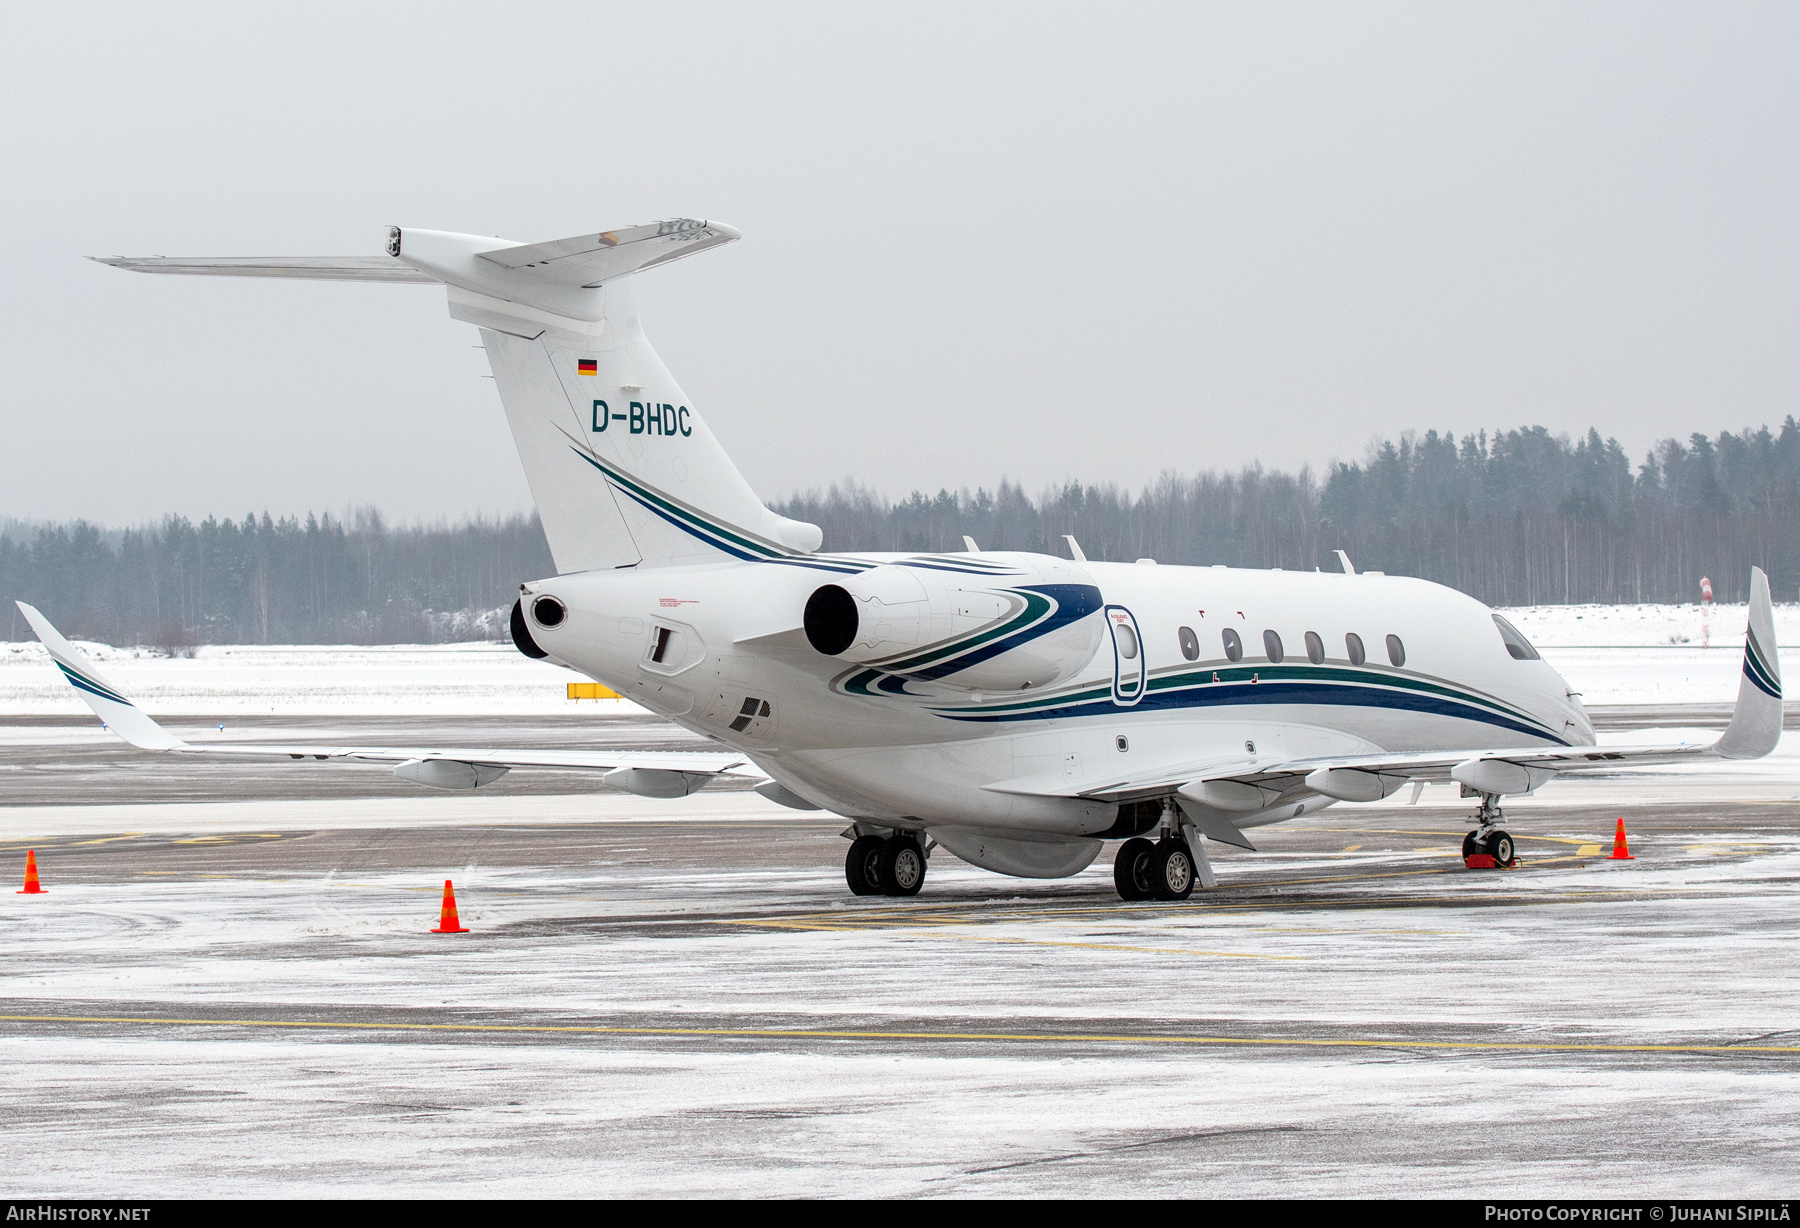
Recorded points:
(1298, 1042)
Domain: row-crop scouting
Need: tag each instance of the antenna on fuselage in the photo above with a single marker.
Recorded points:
(1344, 559)
(1075, 548)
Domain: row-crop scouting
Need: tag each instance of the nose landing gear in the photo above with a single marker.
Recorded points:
(1488, 847)
(893, 865)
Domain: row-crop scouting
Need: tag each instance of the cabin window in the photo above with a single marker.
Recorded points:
(1272, 646)
(1234, 647)
(1127, 640)
(1315, 648)
(1354, 649)
(1190, 643)
(1396, 651)
(1516, 644)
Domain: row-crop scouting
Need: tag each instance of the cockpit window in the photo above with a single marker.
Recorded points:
(1516, 643)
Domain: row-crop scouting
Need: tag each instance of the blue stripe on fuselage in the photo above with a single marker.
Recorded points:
(1263, 694)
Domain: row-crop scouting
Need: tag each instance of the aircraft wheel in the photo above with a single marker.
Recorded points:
(1471, 846)
(860, 869)
(1172, 870)
(900, 866)
(1500, 847)
(1131, 869)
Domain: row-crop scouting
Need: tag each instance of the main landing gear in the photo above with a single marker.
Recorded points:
(1159, 870)
(892, 865)
(1488, 840)
(1166, 868)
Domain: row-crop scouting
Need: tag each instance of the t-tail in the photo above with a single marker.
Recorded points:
(622, 466)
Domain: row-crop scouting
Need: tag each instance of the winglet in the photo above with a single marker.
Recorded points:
(1756, 721)
(120, 715)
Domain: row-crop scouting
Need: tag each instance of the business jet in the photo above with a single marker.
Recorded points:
(1017, 709)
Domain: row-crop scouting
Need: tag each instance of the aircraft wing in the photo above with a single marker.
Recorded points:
(1241, 785)
(653, 773)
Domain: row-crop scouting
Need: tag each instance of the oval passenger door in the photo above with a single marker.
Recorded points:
(1128, 656)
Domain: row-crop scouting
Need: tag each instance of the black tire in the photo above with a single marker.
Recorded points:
(1131, 869)
(901, 866)
(1500, 847)
(1172, 871)
(860, 867)
(1471, 846)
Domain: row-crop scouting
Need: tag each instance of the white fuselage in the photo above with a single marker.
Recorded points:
(736, 666)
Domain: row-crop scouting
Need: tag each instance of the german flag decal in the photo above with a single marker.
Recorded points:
(586, 366)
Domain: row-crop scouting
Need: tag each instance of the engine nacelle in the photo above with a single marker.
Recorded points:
(1009, 622)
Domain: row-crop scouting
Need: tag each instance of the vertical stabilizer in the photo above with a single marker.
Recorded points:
(622, 467)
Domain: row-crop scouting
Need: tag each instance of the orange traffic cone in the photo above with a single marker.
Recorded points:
(31, 880)
(1620, 852)
(447, 922)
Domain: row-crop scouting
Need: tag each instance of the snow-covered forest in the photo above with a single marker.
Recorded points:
(1515, 518)
(321, 579)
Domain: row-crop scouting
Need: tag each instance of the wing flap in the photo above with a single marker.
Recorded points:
(1149, 779)
(706, 762)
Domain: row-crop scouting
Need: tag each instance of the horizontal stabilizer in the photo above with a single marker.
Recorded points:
(308, 268)
(588, 260)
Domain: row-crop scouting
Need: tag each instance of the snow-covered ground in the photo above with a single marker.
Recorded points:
(1639, 654)
(1500, 1028)
(1648, 654)
(1645, 626)
(306, 680)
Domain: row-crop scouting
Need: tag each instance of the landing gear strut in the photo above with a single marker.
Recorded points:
(893, 865)
(1489, 839)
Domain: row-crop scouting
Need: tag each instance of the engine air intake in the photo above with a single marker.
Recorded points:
(1005, 622)
(831, 620)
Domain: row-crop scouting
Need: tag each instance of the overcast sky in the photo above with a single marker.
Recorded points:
(1037, 241)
